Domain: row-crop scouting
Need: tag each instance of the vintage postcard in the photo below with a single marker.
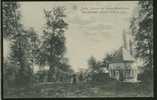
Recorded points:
(80, 49)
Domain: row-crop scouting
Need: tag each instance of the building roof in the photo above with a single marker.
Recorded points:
(121, 55)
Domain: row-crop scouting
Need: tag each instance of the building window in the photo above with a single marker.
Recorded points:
(117, 75)
(128, 73)
(112, 73)
(132, 73)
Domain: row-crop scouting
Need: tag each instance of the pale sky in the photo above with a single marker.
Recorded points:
(88, 34)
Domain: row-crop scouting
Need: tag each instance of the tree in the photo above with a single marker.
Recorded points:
(53, 46)
(9, 26)
(93, 68)
(34, 41)
(64, 66)
(64, 72)
(11, 18)
(108, 57)
(142, 30)
(92, 63)
(20, 57)
(9, 75)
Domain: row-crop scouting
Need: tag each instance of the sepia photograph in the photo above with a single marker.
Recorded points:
(77, 49)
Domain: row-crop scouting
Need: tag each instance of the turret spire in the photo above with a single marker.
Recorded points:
(124, 40)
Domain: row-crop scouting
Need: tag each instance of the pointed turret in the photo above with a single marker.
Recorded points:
(124, 40)
(130, 47)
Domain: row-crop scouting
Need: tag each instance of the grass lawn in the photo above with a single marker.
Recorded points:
(92, 89)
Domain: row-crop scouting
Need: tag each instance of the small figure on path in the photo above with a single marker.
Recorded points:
(74, 78)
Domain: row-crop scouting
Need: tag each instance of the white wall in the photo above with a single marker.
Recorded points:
(115, 66)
